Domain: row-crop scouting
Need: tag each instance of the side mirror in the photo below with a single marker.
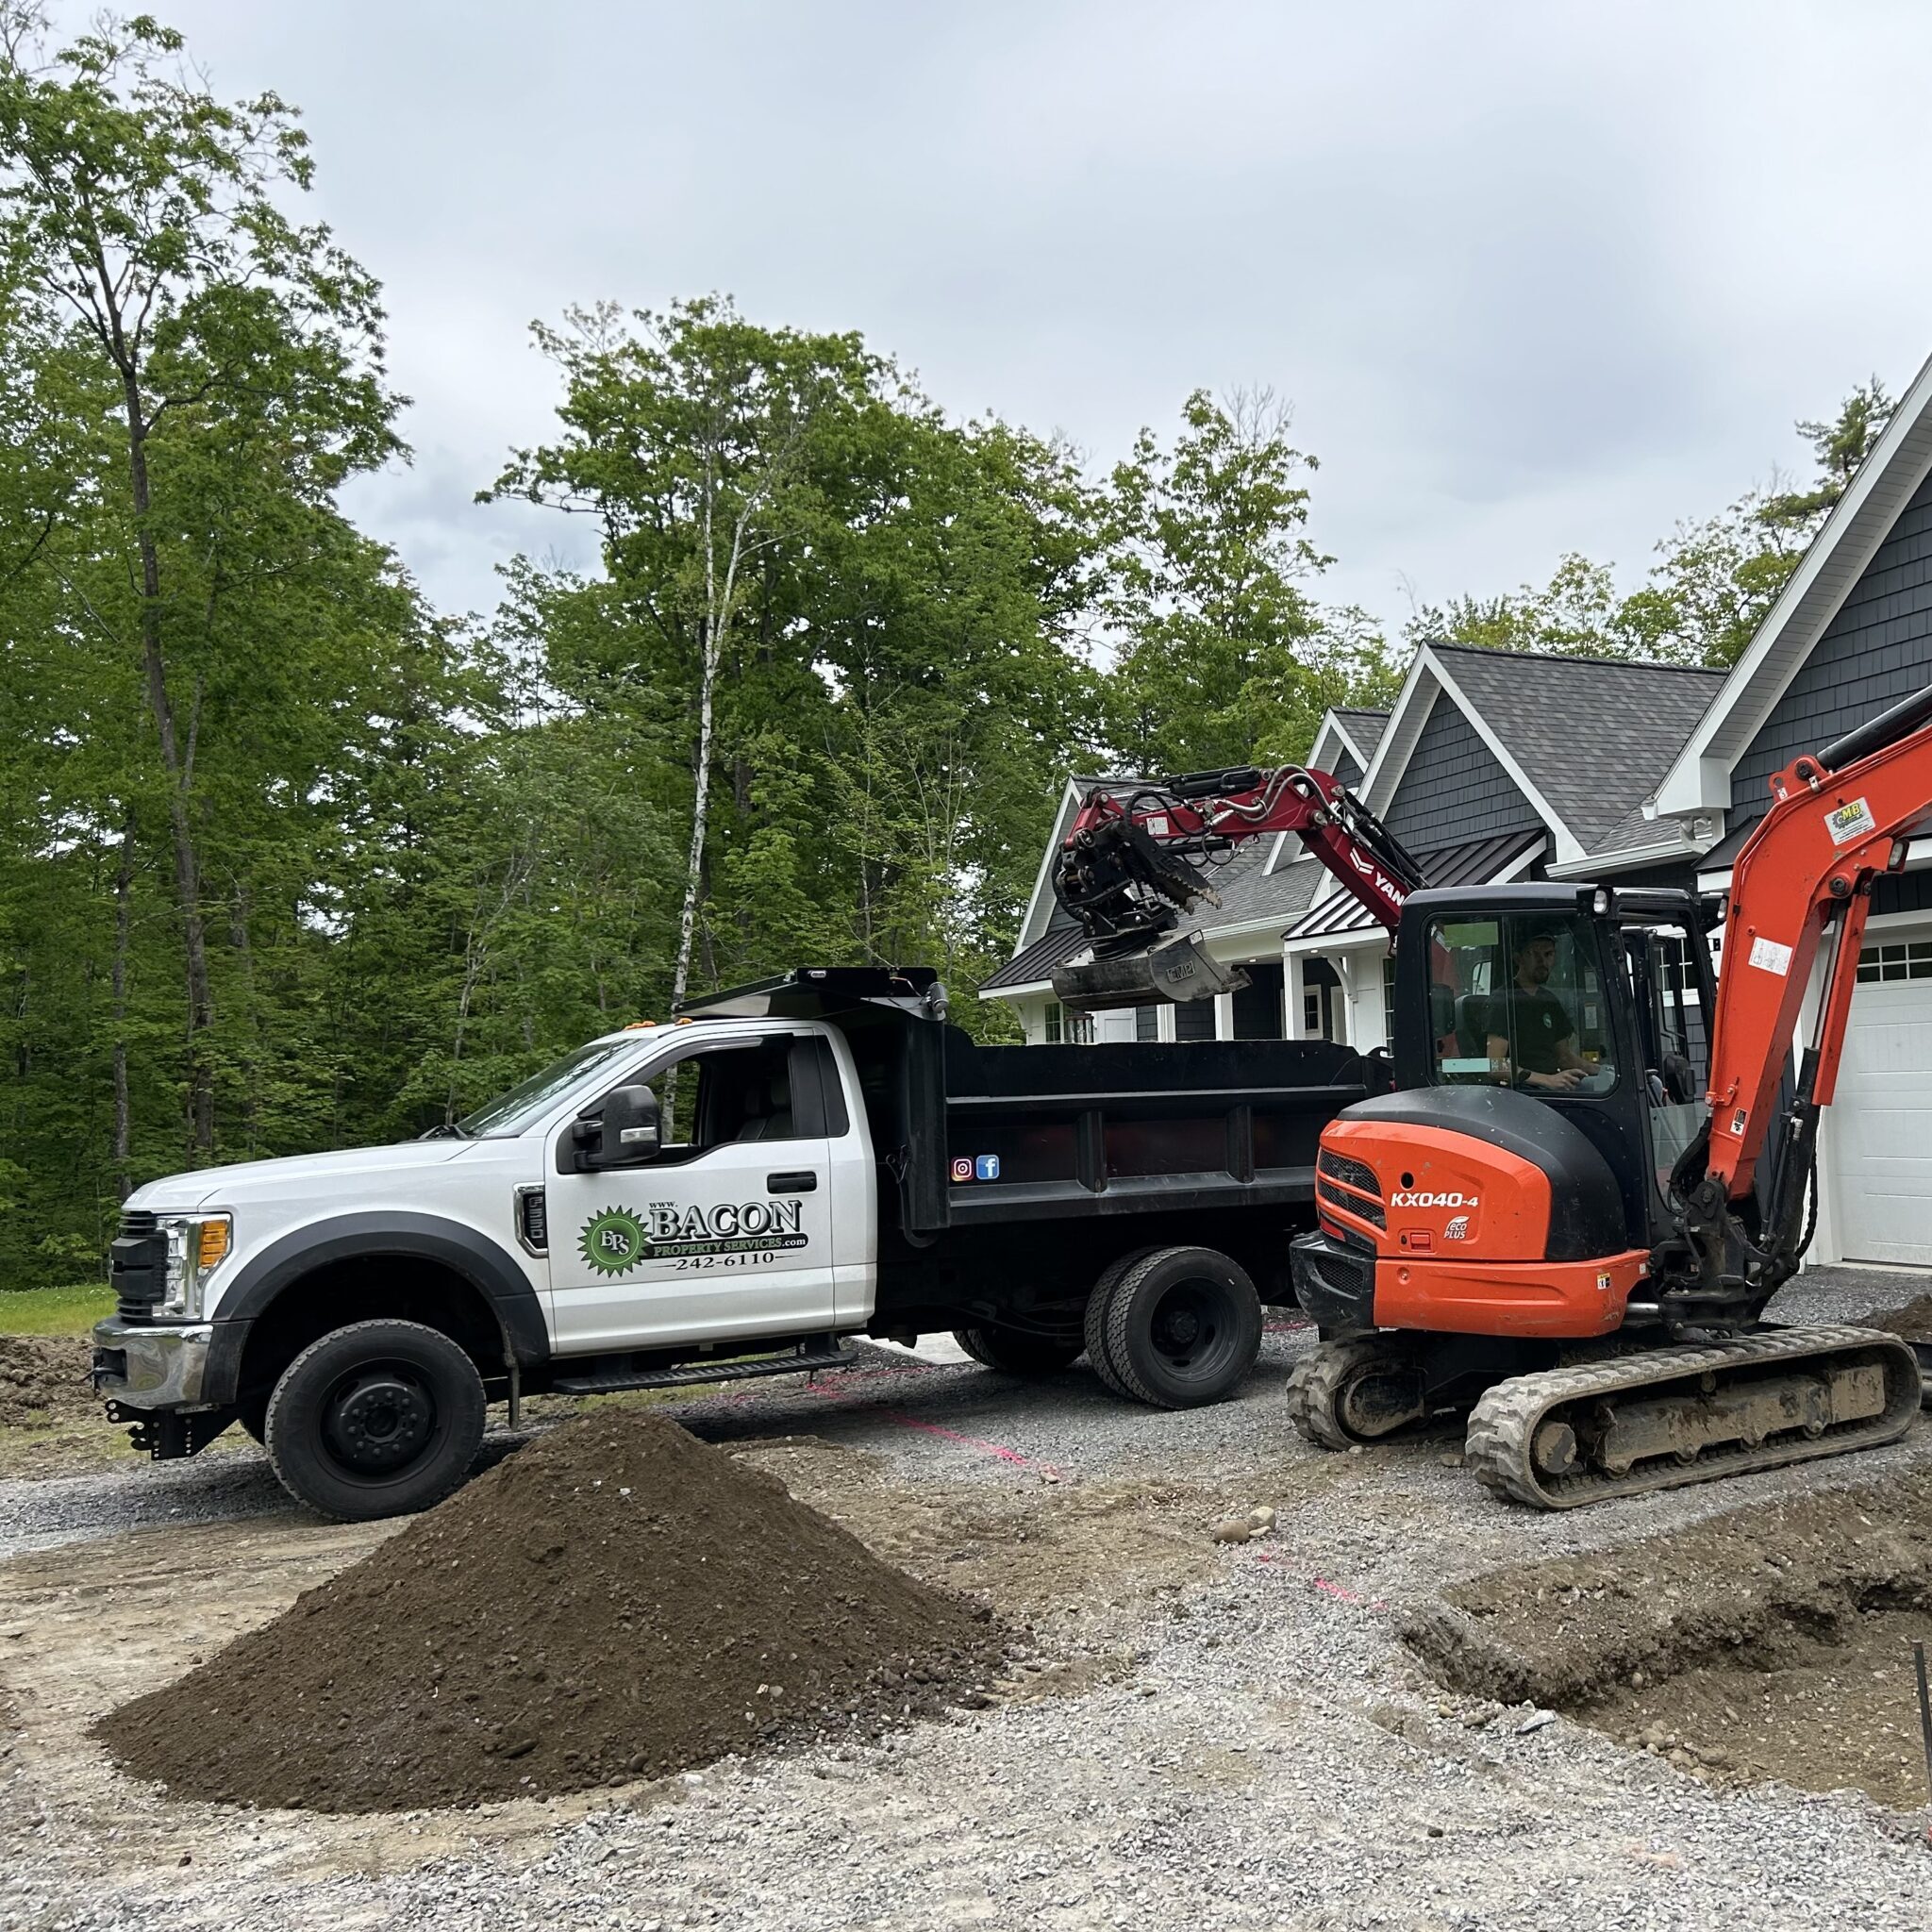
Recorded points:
(630, 1127)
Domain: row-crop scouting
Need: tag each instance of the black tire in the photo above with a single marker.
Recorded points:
(1096, 1320)
(377, 1419)
(1183, 1327)
(1017, 1355)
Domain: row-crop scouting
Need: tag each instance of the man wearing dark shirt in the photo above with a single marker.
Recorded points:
(1539, 1050)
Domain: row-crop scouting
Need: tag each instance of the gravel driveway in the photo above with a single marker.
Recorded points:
(1243, 1743)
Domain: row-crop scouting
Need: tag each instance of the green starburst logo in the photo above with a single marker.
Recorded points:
(613, 1242)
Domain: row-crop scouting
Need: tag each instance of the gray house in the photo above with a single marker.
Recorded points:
(1494, 765)
(1503, 765)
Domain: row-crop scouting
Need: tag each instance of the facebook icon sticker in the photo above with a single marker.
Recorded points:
(986, 1167)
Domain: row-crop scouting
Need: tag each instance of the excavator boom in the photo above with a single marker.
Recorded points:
(1133, 863)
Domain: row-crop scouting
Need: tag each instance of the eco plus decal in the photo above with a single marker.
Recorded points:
(616, 1239)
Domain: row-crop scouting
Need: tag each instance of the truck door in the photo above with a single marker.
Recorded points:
(725, 1231)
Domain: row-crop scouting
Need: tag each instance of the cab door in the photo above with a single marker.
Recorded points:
(725, 1231)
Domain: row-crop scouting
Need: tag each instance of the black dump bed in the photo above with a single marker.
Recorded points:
(971, 1136)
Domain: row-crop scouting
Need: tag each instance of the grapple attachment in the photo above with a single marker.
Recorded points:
(1178, 969)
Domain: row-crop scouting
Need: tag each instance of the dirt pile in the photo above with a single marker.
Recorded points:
(615, 1601)
(43, 1380)
(1772, 1641)
(1913, 1321)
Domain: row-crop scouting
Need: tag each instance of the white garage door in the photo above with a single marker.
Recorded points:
(1881, 1120)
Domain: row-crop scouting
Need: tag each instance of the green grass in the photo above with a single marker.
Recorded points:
(54, 1310)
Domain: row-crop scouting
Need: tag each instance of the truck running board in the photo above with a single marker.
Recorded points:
(801, 1362)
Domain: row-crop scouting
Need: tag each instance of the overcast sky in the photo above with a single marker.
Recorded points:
(1536, 277)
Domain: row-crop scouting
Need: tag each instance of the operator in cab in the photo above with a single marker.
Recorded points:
(1543, 1057)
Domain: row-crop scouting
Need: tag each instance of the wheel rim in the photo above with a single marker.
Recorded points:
(1193, 1329)
(378, 1420)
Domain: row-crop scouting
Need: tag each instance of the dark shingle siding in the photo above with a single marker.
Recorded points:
(1453, 788)
(1876, 650)
(1593, 735)
(1347, 771)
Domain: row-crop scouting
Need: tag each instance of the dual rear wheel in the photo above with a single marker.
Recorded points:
(1173, 1327)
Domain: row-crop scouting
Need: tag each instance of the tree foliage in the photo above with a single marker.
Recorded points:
(287, 860)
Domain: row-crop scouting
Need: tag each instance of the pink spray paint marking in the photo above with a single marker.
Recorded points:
(985, 1448)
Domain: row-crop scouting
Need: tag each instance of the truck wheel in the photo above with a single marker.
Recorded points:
(378, 1419)
(1016, 1355)
(1183, 1327)
(1096, 1320)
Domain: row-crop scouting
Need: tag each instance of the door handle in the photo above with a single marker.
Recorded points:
(804, 1182)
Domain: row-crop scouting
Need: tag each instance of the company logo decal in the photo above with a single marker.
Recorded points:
(962, 1168)
(1458, 1230)
(1434, 1200)
(616, 1240)
(977, 1167)
(1850, 821)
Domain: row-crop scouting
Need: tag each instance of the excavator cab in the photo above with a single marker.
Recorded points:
(1584, 1000)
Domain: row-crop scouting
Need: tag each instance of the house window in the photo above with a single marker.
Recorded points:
(1068, 1029)
(1911, 960)
(1312, 1014)
(1389, 1000)
(1146, 1023)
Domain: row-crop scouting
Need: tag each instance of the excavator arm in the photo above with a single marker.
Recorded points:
(1132, 864)
(1802, 882)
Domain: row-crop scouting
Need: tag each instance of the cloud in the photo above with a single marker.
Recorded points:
(1535, 278)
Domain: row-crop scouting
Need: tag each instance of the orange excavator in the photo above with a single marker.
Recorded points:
(1555, 1221)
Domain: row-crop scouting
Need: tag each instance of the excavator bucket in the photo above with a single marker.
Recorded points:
(1178, 969)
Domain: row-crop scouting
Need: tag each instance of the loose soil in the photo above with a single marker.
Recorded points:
(1772, 1642)
(1913, 1321)
(43, 1378)
(616, 1601)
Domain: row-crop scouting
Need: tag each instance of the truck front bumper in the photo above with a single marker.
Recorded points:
(138, 1365)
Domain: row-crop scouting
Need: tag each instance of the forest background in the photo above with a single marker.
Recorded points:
(290, 860)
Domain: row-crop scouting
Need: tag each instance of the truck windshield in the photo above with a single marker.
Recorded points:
(529, 1100)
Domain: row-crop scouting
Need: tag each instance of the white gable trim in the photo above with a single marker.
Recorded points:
(1039, 907)
(1428, 679)
(1701, 777)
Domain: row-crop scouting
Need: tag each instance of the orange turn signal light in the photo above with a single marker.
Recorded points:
(213, 1243)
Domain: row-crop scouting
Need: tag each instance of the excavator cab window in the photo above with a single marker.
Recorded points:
(1671, 1027)
(1524, 997)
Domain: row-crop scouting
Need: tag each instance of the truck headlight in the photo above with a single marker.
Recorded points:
(197, 1245)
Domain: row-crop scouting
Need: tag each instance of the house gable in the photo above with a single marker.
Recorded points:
(1453, 788)
(1710, 771)
(1876, 650)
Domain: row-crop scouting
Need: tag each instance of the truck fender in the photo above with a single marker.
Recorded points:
(430, 1237)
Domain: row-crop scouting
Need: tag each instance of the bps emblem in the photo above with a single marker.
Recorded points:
(613, 1242)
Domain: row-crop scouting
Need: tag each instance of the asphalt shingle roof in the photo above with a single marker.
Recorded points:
(1594, 735)
(1364, 728)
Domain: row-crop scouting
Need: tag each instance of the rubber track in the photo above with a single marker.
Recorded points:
(1502, 1423)
(1095, 1325)
(1316, 1382)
